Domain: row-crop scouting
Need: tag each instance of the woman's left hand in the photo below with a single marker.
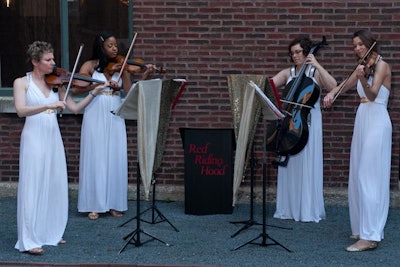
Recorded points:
(100, 87)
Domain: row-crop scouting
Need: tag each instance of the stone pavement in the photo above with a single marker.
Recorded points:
(201, 240)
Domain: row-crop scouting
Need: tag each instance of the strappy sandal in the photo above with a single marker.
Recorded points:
(354, 237)
(369, 246)
(93, 215)
(36, 251)
(115, 213)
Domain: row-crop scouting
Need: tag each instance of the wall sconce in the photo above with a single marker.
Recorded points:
(8, 3)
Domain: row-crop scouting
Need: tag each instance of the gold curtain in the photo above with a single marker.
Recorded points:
(246, 111)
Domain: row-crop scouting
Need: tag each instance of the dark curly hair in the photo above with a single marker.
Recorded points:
(305, 43)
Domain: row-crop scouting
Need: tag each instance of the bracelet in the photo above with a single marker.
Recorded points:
(91, 93)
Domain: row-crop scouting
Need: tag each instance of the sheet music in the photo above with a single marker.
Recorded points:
(267, 103)
(128, 108)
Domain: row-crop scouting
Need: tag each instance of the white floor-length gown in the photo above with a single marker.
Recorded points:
(42, 211)
(103, 167)
(370, 163)
(300, 183)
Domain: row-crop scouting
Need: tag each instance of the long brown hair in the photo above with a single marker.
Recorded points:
(367, 39)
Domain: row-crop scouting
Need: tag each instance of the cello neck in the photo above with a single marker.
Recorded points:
(299, 77)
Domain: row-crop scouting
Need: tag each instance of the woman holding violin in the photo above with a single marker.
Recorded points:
(103, 171)
(370, 156)
(42, 209)
(300, 182)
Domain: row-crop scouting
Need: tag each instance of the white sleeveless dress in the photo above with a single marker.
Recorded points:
(103, 168)
(42, 211)
(300, 183)
(370, 163)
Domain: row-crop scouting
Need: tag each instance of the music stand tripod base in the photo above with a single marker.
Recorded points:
(263, 243)
(134, 236)
(154, 209)
(264, 234)
(250, 222)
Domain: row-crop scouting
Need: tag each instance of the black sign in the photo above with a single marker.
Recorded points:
(208, 170)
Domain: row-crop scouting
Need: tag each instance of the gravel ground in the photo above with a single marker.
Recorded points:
(202, 240)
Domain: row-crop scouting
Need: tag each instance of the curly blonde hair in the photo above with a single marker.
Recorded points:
(37, 49)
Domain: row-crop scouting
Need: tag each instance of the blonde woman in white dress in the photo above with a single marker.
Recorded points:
(42, 209)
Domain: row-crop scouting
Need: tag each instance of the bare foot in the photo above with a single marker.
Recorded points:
(93, 215)
(115, 213)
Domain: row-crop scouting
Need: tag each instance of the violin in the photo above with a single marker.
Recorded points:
(133, 66)
(369, 63)
(61, 77)
(290, 135)
(369, 60)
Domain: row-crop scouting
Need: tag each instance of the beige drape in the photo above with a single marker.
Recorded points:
(246, 112)
(150, 103)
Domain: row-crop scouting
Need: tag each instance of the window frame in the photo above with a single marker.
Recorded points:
(6, 91)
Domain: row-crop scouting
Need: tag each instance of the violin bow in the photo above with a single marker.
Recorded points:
(72, 74)
(126, 58)
(348, 77)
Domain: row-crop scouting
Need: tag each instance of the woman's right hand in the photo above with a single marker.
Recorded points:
(59, 105)
(328, 100)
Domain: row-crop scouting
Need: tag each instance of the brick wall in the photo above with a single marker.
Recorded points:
(204, 41)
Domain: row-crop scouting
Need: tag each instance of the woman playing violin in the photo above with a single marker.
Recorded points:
(370, 156)
(42, 210)
(300, 183)
(103, 171)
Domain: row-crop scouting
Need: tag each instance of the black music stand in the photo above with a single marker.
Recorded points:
(129, 110)
(169, 95)
(154, 219)
(134, 236)
(270, 112)
(253, 163)
(250, 222)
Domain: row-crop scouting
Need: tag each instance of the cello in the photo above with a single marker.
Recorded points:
(290, 135)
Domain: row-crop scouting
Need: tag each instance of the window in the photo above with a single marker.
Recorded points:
(24, 21)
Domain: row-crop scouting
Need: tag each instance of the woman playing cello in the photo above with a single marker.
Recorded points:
(300, 183)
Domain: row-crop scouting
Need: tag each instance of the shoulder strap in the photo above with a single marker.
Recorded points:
(29, 76)
(311, 72)
(293, 71)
